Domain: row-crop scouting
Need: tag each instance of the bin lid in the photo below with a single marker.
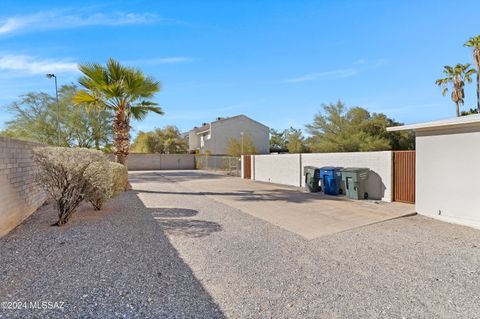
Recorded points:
(355, 169)
(331, 168)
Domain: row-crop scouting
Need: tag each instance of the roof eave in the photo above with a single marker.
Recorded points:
(470, 120)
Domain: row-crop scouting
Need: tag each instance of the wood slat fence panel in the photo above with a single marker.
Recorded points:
(404, 176)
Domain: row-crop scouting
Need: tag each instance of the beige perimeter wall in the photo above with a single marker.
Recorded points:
(19, 196)
(288, 169)
(138, 161)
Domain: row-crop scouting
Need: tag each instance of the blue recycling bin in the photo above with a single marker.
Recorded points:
(331, 178)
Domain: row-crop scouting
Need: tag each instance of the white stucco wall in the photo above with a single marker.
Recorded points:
(448, 174)
(380, 179)
(288, 169)
(223, 131)
(193, 141)
(279, 169)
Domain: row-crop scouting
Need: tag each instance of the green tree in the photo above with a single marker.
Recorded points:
(456, 77)
(235, 146)
(125, 91)
(278, 141)
(167, 140)
(403, 140)
(469, 112)
(474, 43)
(339, 129)
(35, 119)
(295, 141)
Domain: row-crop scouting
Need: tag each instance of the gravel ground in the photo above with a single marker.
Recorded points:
(110, 264)
(411, 267)
(170, 255)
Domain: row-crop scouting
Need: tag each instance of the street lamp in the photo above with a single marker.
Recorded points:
(49, 76)
(241, 133)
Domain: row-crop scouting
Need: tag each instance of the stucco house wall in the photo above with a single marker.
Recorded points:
(223, 131)
(193, 141)
(448, 177)
(447, 160)
(220, 133)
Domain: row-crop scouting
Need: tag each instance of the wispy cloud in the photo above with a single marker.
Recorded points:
(64, 19)
(334, 74)
(359, 66)
(161, 60)
(28, 65)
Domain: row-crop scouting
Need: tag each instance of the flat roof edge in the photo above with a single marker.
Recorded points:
(468, 120)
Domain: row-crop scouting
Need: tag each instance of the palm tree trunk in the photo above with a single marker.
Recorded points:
(97, 129)
(478, 90)
(121, 137)
(458, 109)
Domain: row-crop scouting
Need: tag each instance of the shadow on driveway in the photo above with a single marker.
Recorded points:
(175, 221)
(155, 176)
(286, 195)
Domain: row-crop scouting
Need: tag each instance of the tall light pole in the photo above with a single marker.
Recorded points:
(241, 133)
(49, 76)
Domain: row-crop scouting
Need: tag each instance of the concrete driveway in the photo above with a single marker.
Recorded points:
(308, 215)
(412, 267)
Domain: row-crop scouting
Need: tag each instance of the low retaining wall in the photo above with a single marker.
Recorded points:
(287, 169)
(19, 196)
(139, 161)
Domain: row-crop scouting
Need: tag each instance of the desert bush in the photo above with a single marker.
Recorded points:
(106, 180)
(119, 176)
(66, 176)
(99, 177)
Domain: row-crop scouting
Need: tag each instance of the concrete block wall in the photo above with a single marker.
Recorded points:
(287, 169)
(139, 161)
(19, 195)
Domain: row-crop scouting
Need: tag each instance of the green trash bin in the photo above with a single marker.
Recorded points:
(312, 178)
(355, 180)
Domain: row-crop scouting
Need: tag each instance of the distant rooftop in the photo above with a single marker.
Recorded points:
(451, 122)
(206, 126)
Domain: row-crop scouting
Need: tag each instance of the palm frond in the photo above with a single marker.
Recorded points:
(473, 42)
(139, 112)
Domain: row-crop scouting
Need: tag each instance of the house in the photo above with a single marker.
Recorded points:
(447, 174)
(214, 138)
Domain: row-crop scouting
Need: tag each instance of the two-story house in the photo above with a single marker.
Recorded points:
(214, 137)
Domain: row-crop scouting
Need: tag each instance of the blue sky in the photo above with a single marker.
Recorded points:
(275, 61)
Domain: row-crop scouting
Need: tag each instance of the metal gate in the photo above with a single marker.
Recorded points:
(247, 164)
(404, 176)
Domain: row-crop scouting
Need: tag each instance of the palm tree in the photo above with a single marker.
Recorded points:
(456, 76)
(124, 90)
(474, 43)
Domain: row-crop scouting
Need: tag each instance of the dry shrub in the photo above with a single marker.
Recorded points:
(119, 176)
(99, 177)
(66, 175)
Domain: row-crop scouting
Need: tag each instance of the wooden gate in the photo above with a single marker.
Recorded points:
(404, 176)
(247, 164)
